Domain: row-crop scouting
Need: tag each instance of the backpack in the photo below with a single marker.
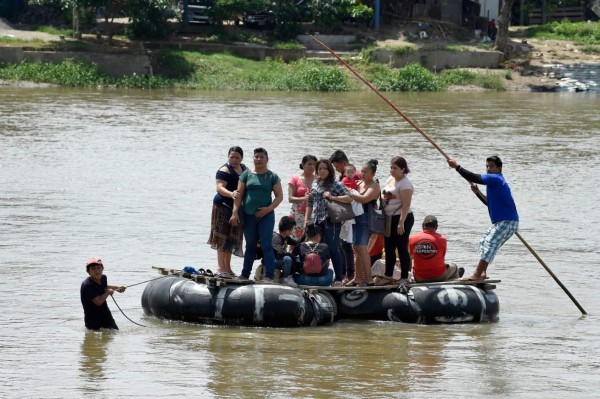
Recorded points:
(312, 260)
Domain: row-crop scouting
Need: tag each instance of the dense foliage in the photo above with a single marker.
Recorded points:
(194, 70)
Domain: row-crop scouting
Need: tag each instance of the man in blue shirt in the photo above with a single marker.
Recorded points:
(94, 291)
(501, 207)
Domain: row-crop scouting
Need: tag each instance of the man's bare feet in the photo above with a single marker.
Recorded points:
(475, 277)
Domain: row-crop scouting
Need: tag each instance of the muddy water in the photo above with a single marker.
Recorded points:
(129, 176)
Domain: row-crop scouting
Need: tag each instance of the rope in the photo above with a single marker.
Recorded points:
(114, 300)
(147, 281)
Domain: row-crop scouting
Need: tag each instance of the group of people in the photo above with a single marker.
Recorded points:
(307, 240)
(246, 198)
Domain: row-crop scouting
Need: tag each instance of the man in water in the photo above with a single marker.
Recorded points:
(501, 207)
(94, 291)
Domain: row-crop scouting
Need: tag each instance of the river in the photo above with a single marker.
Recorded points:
(129, 176)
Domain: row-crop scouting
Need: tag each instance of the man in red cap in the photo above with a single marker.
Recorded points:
(94, 291)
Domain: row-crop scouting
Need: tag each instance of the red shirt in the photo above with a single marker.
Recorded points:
(377, 247)
(428, 249)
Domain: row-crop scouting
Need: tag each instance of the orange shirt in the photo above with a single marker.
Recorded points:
(428, 250)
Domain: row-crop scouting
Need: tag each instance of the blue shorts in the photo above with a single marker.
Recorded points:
(495, 237)
(360, 230)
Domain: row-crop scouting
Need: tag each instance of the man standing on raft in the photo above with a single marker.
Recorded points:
(501, 207)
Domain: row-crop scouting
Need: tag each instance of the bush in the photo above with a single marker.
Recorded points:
(412, 77)
(67, 73)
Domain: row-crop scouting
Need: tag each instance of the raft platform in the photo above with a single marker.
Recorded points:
(213, 281)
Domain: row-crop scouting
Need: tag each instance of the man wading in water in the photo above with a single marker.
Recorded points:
(501, 207)
(94, 291)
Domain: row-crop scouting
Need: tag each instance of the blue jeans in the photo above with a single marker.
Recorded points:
(323, 281)
(285, 265)
(256, 229)
(360, 230)
(331, 237)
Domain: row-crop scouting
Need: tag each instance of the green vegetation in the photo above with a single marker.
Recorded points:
(412, 77)
(461, 77)
(55, 31)
(12, 41)
(581, 33)
(74, 73)
(401, 50)
(198, 71)
(195, 70)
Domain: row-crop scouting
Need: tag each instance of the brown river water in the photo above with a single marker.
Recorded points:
(129, 176)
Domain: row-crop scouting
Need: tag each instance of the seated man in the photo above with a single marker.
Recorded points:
(428, 249)
(281, 240)
(312, 258)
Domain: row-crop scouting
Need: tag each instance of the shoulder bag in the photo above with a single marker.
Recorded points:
(339, 211)
(377, 219)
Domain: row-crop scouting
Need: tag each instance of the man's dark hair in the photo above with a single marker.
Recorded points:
(312, 230)
(338, 156)
(496, 160)
(286, 223)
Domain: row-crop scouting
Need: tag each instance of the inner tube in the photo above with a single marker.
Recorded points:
(266, 305)
(425, 304)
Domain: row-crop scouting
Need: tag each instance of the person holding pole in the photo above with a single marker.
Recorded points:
(501, 207)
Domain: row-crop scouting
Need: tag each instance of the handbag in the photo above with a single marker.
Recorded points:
(339, 211)
(377, 219)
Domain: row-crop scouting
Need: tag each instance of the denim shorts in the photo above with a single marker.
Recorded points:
(495, 237)
(360, 230)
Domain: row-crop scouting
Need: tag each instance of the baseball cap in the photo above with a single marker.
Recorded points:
(93, 261)
(430, 221)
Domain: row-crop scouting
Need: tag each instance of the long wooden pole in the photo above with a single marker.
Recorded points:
(437, 147)
(539, 259)
(406, 118)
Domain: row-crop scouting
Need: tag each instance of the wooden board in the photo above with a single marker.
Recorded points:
(368, 287)
(221, 282)
(455, 282)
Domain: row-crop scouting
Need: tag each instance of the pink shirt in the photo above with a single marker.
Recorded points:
(300, 190)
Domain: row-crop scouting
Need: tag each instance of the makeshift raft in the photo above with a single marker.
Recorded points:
(204, 299)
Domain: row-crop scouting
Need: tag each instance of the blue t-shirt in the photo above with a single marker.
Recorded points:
(96, 317)
(501, 204)
(259, 187)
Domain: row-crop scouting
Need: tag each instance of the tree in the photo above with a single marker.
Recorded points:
(148, 18)
(503, 22)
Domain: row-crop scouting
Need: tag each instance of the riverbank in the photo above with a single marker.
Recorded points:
(187, 69)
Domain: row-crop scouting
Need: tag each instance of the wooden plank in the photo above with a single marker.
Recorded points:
(455, 282)
(368, 287)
